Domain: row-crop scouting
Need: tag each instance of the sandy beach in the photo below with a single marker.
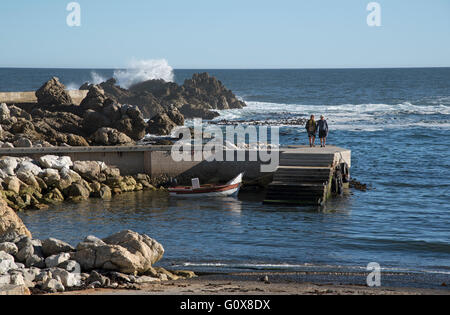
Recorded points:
(247, 286)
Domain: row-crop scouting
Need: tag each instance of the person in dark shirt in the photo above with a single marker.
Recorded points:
(322, 126)
(311, 128)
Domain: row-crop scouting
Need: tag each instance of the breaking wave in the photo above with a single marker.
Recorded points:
(142, 70)
(367, 117)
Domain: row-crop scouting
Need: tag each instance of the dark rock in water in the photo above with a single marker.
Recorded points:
(159, 88)
(53, 93)
(196, 98)
(55, 120)
(192, 111)
(357, 185)
(211, 91)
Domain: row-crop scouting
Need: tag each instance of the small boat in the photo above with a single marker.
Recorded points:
(229, 189)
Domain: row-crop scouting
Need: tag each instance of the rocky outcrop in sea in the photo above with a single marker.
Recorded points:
(167, 104)
(111, 115)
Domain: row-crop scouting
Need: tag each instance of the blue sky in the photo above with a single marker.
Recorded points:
(225, 34)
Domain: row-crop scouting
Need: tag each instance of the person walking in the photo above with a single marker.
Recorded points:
(311, 128)
(322, 126)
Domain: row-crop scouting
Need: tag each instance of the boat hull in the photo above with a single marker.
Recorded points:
(227, 190)
(223, 191)
(228, 193)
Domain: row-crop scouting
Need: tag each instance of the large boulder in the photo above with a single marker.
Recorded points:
(53, 93)
(56, 162)
(78, 191)
(89, 170)
(29, 167)
(76, 141)
(176, 116)
(54, 246)
(94, 120)
(10, 223)
(141, 245)
(161, 125)
(95, 99)
(6, 263)
(110, 137)
(126, 252)
(9, 164)
(134, 128)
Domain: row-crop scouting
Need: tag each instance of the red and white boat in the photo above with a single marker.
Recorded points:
(229, 189)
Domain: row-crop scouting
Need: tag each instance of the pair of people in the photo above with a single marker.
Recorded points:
(312, 127)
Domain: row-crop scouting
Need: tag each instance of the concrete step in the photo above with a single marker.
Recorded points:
(322, 181)
(305, 163)
(296, 188)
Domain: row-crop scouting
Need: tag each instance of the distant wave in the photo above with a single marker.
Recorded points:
(367, 117)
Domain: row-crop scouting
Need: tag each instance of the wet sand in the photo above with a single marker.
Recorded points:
(245, 285)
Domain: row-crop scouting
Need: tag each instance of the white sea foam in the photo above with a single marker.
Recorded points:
(142, 70)
(367, 117)
(96, 78)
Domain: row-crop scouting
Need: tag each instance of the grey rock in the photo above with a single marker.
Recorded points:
(9, 247)
(53, 286)
(71, 266)
(90, 242)
(4, 112)
(67, 279)
(6, 263)
(54, 246)
(55, 260)
(35, 261)
(25, 252)
(55, 162)
(89, 170)
(126, 252)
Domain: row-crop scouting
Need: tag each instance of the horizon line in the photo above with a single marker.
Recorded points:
(256, 68)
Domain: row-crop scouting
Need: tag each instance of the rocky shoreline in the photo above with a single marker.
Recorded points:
(121, 261)
(35, 184)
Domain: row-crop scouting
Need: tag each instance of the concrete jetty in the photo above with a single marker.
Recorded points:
(30, 97)
(304, 175)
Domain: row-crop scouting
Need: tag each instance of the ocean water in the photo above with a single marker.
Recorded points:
(396, 122)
